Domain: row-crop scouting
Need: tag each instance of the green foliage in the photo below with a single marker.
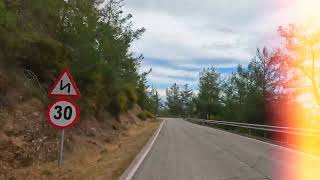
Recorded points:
(154, 101)
(144, 115)
(174, 102)
(131, 94)
(179, 102)
(45, 36)
(186, 95)
(147, 98)
(7, 18)
(242, 97)
(142, 89)
(208, 102)
(122, 102)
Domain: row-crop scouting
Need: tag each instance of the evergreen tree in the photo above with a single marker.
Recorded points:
(174, 103)
(154, 101)
(186, 100)
(208, 103)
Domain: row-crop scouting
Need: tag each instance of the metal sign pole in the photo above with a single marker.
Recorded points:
(60, 158)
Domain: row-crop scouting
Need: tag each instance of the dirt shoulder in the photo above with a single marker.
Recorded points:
(100, 145)
(96, 161)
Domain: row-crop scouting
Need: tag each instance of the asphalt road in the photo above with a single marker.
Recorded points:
(186, 151)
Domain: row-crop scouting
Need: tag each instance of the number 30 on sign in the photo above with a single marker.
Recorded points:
(62, 113)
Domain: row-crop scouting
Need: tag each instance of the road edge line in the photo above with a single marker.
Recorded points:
(137, 161)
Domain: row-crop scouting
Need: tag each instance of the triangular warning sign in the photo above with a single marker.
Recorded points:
(64, 86)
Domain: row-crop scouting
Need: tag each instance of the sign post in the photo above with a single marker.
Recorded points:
(60, 160)
(63, 113)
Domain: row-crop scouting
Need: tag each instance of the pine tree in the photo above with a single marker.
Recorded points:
(186, 100)
(208, 103)
(174, 103)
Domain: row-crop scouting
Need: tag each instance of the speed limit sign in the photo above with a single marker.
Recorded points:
(62, 113)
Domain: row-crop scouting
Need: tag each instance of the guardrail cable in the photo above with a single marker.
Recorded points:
(280, 129)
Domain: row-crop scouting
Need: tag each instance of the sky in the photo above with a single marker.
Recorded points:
(184, 36)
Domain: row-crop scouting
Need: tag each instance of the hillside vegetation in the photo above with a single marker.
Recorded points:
(39, 38)
(45, 36)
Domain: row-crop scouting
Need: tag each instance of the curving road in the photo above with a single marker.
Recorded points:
(186, 151)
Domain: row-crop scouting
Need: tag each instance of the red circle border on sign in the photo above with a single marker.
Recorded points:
(69, 101)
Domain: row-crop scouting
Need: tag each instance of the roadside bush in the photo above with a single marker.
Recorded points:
(144, 115)
(119, 103)
(123, 102)
(131, 94)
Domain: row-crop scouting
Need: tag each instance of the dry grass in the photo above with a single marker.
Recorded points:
(103, 161)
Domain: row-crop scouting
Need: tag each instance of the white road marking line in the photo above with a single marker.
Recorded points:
(133, 167)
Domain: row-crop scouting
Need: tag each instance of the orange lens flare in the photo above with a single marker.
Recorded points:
(301, 107)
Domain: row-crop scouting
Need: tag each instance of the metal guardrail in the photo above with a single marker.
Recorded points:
(279, 129)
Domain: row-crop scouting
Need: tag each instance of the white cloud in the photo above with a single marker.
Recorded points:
(170, 80)
(169, 37)
(162, 93)
(169, 72)
(198, 34)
